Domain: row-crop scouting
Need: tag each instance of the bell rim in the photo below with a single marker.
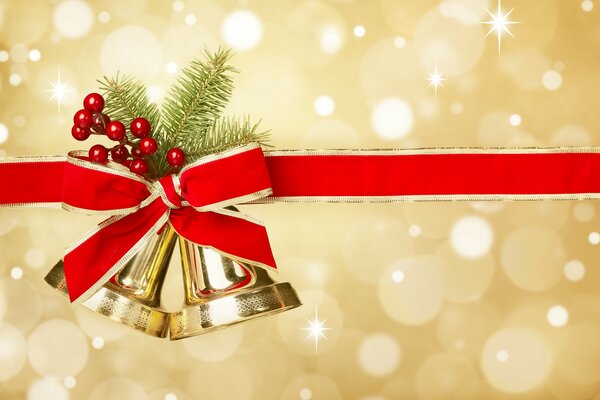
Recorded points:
(191, 320)
(117, 307)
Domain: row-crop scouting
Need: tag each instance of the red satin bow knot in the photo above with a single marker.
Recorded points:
(193, 202)
(170, 192)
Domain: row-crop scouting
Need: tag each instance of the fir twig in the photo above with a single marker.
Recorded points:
(127, 99)
(195, 101)
(227, 133)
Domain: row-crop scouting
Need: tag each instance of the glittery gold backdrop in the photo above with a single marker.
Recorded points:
(418, 300)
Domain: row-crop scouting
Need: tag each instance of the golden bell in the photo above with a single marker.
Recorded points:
(220, 292)
(132, 296)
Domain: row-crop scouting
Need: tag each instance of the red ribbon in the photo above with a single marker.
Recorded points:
(194, 202)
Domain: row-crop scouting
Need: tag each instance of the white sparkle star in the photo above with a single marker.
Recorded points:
(59, 90)
(316, 329)
(500, 23)
(436, 80)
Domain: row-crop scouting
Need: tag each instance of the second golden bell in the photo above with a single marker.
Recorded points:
(219, 291)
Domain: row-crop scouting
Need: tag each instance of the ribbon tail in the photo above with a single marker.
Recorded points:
(230, 233)
(91, 261)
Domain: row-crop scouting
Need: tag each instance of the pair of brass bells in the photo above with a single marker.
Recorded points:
(219, 291)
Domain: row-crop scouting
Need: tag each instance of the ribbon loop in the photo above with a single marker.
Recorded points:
(93, 188)
(235, 176)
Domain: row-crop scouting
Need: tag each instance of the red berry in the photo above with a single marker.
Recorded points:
(115, 130)
(136, 152)
(100, 121)
(83, 119)
(93, 102)
(98, 153)
(140, 127)
(148, 146)
(175, 157)
(80, 134)
(119, 153)
(139, 166)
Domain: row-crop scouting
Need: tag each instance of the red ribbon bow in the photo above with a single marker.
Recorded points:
(194, 202)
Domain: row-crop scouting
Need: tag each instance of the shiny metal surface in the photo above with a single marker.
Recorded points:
(220, 292)
(132, 296)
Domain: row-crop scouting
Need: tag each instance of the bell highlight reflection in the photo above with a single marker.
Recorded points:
(220, 292)
(132, 296)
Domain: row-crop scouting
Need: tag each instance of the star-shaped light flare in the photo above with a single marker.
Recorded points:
(59, 90)
(436, 79)
(500, 23)
(316, 329)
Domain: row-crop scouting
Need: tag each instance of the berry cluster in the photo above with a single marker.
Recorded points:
(90, 120)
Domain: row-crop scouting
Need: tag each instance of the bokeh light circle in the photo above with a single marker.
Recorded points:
(453, 46)
(549, 214)
(48, 389)
(22, 303)
(35, 258)
(181, 43)
(584, 211)
(57, 348)
(379, 75)
(131, 49)
(417, 298)
(96, 325)
(73, 18)
(215, 348)
(3, 133)
(331, 134)
(392, 118)
(552, 80)
(13, 351)
(578, 354)
(557, 316)
(471, 237)
(242, 30)
(206, 381)
(379, 354)
(464, 280)
(533, 258)
(571, 135)
(574, 270)
(324, 105)
(314, 32)
(516, 360)
(443, 375)
(318, 386)
(118, 388)
(465, 328)
(374, 242)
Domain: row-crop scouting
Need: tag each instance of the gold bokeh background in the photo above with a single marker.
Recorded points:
(421, 300)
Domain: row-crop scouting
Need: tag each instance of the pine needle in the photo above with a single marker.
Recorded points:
(127, 99)
(197, 99)
(227, 133)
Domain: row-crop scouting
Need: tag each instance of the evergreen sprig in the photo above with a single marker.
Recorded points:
(191, 116)
(194, 102)
(228, 132)
(126, 99)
